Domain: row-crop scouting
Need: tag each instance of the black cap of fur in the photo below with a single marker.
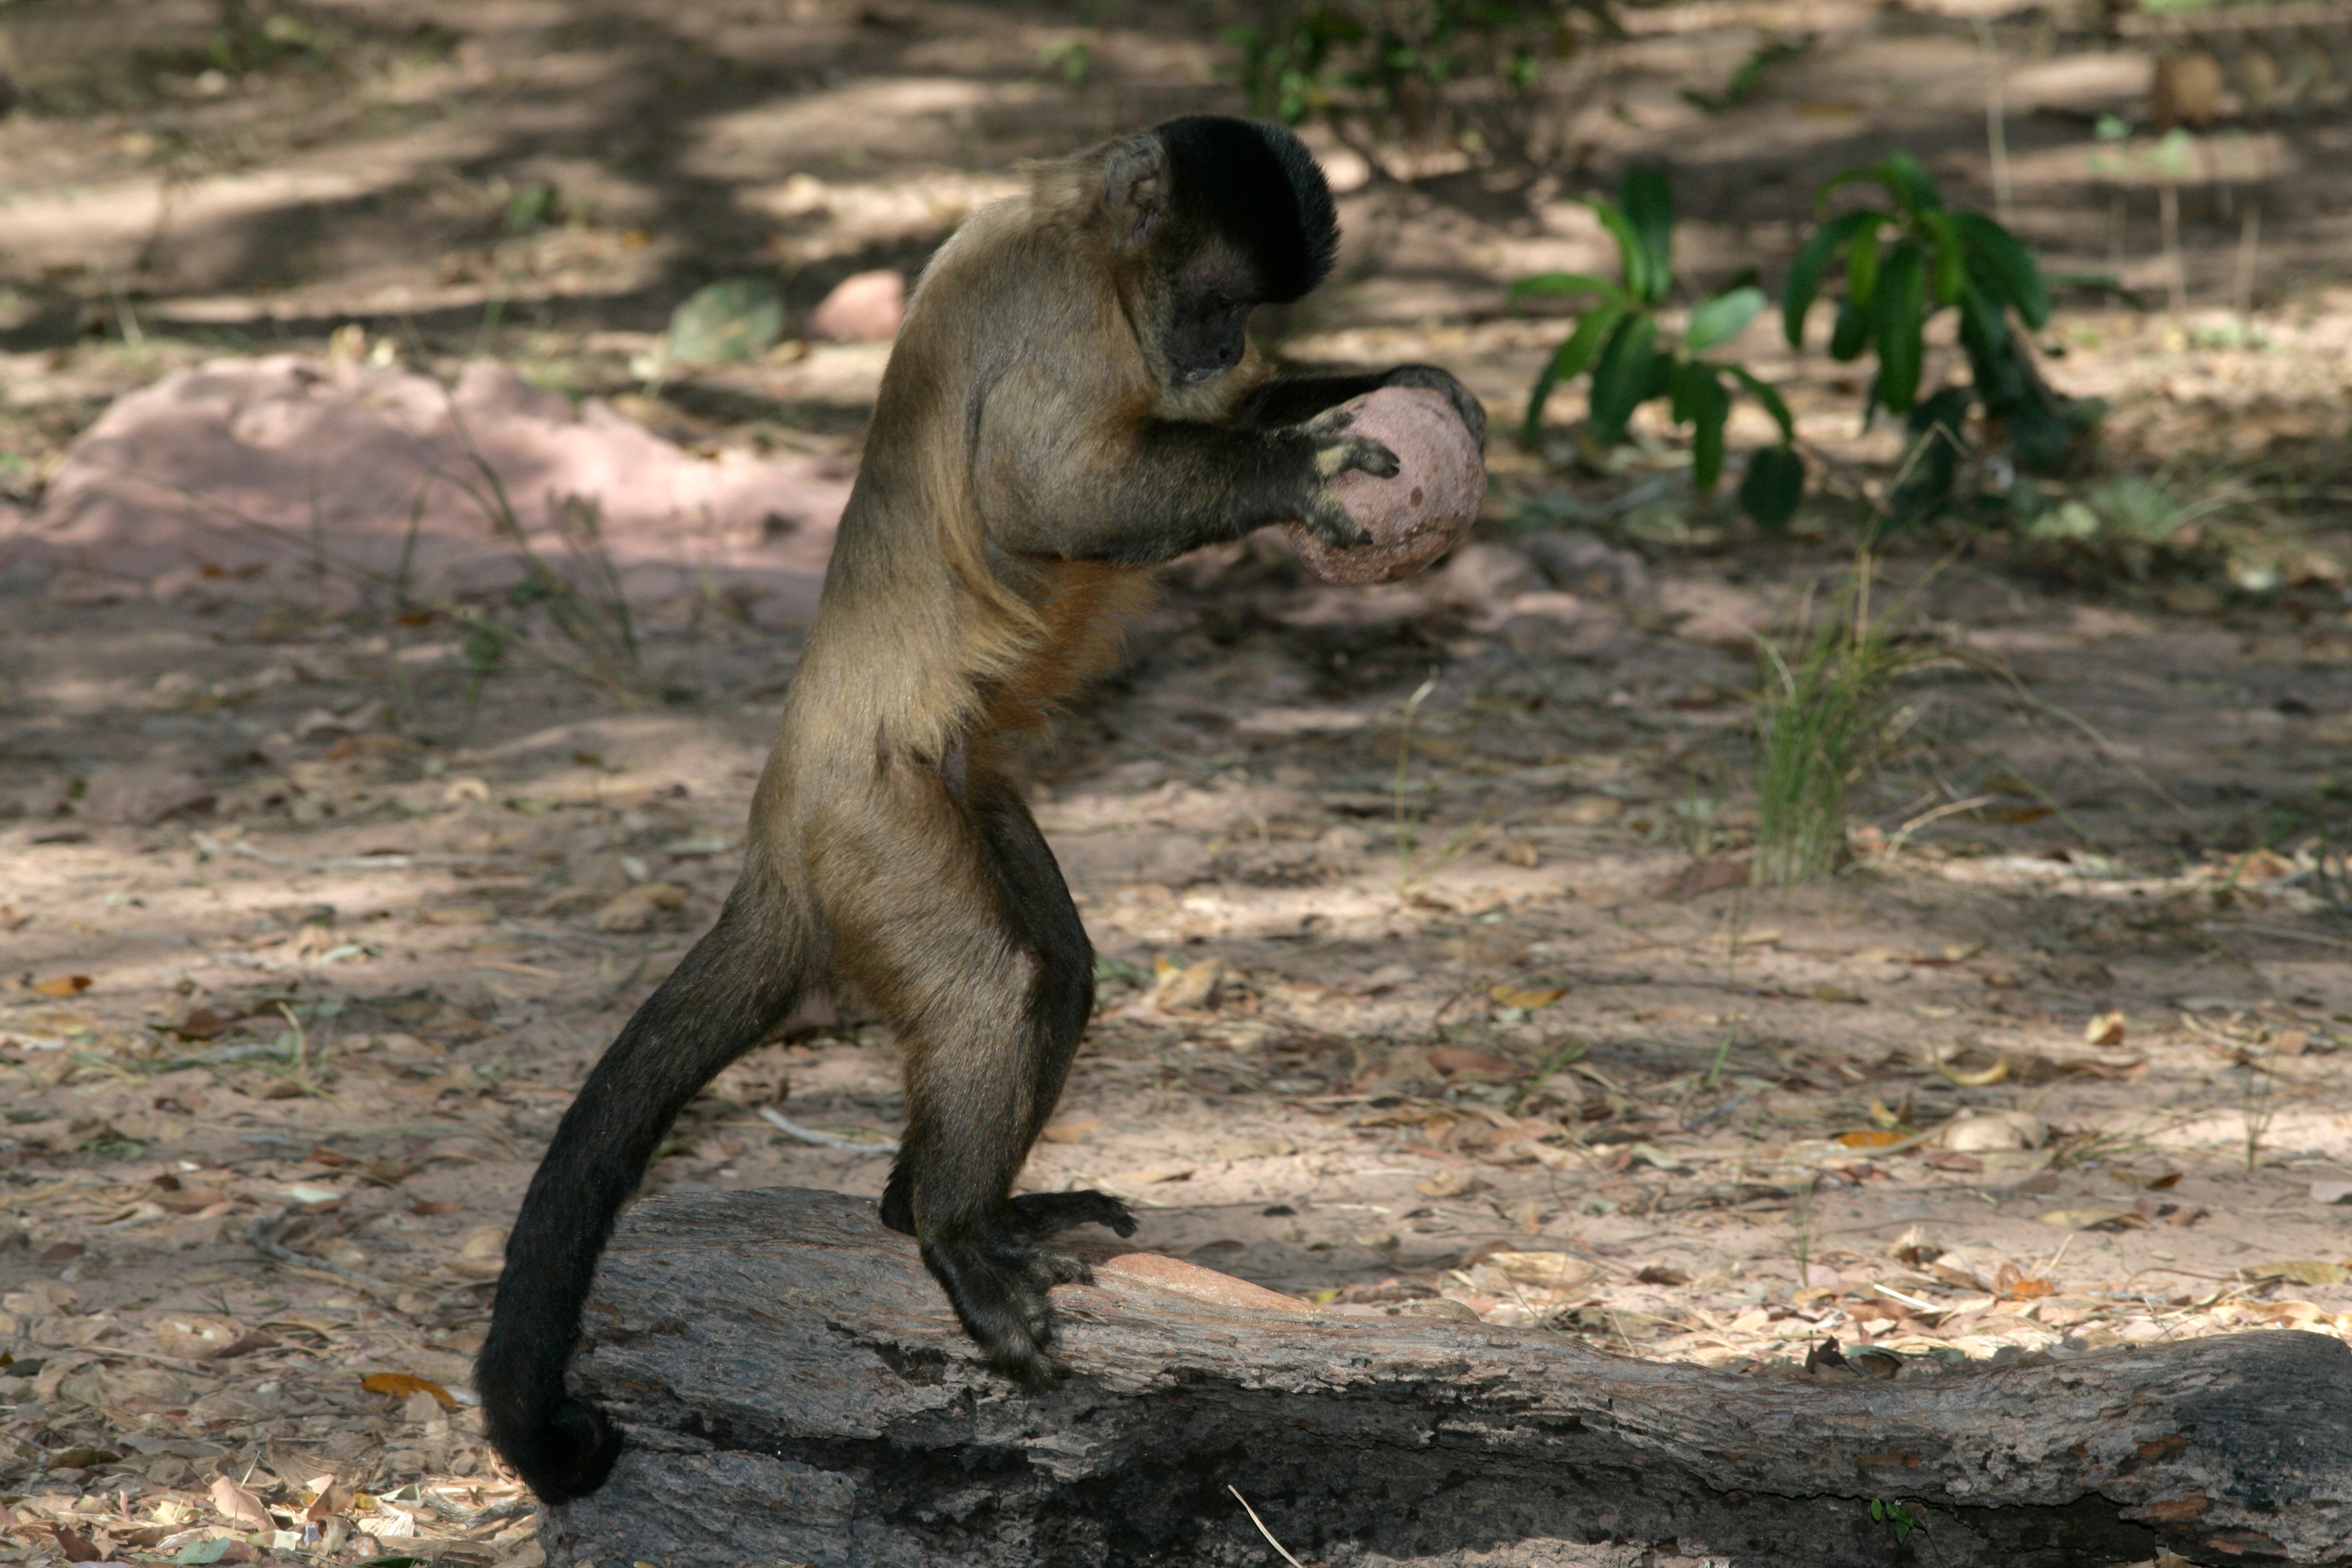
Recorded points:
(1257, 185)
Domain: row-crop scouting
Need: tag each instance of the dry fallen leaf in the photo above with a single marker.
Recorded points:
(1518, 852)
(1191, 987)
(400, 1385)
(1957, 1269)
(1870, 1138)
(1973, 1077)
(196, 1336)
(483, 1254)
(239, 1506)
(1587, 810)
(1072, 1129)
(1455, 1060)
(331, 1498)
(1701, 877)
(1543, 1270)
(1995, 1131)
(2105, 1029)
(1527, 998)
(2302, 1270)
(2331, 1191)
(1445, 1183)
(63, 986)
(638, 908)
(2018, 1286)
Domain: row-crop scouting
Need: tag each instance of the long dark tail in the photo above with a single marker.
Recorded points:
(732, 989)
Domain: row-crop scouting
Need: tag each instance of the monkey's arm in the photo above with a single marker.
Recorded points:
(1162, 487)
(1291, 399)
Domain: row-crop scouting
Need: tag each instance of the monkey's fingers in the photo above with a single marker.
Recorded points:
(1335, 526)
(1041, 1215)
(1354, 454)
(1472, 412)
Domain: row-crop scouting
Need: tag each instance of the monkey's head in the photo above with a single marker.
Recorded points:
(1216, 217)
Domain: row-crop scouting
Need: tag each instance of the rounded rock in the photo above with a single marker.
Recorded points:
(1415, 517)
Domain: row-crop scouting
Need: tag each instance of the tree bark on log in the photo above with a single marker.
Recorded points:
(795, 1391)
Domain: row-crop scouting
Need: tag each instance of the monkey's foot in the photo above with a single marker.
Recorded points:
(997, 1283)
(1040, 1214)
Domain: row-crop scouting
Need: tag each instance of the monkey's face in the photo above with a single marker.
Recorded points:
(1209, 307)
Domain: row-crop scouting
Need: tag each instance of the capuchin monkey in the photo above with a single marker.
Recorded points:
(1072, 401)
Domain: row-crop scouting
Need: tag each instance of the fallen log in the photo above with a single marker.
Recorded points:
(794, 1391)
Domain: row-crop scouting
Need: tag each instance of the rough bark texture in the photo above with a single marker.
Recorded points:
(795, 1391)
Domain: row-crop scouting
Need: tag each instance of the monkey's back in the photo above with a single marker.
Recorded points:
(929, 627)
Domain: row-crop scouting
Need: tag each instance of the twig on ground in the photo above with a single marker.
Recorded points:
(791, 1128)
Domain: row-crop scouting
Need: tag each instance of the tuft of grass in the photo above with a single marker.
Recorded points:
(1410, 871)
(1826, 714)
(2255, 1110)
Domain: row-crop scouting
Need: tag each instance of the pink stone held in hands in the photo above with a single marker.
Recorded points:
(1415, 517)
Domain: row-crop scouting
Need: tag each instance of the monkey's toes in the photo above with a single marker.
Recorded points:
(1041, 1215)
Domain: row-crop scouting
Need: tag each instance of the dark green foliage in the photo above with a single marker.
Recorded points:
(1617, 339)
(1903, 266)
(1301, 59)
(1899, 1521)
(1749, 78)
(1774, 485)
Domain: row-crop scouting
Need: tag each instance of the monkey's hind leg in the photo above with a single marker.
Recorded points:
(989, 983)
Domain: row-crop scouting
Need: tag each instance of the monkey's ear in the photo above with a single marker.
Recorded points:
(1135, 191)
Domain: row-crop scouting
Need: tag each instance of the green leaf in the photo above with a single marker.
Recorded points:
(1813, 258)
(1843, 178)
(1862, 262)
(1553, 284)
(1629, 246)
(1622, 378)
(1648, 194)
(731, 320)
(1985, 338)
(2008, 263)
(1899, 314)
(1685, 377)
(1774, 485)
(1768, 395)
(1723, 317)
(1900, 173)
(1710, 412)
(1568, 363)
(1950, 260)
(1851, 333)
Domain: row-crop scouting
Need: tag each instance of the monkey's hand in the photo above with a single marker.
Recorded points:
(562, 1447)
(1337, 452)
(1473, 412)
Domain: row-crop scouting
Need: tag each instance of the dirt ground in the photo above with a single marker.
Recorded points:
(1430, 978)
